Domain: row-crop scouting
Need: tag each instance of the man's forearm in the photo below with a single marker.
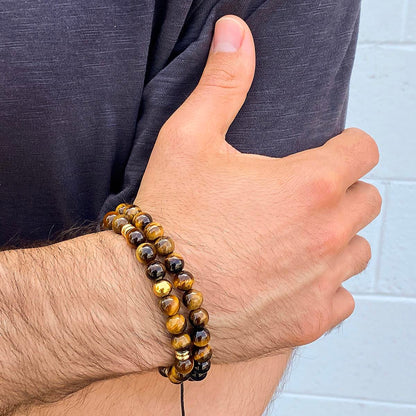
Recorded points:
(72, 313)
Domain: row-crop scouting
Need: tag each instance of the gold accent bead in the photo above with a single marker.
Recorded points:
(182, 355)
(176, 324)
(125, 229)
(162, 288)
(153, 231)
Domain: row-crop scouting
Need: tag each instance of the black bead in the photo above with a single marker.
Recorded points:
(174, 263)
(155, 270)
(202, 367)
(197, 376)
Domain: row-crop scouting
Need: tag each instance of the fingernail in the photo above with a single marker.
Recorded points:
(228, 35)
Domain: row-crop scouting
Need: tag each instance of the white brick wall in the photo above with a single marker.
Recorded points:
(367, 367)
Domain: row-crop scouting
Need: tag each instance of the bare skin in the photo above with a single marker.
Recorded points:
(270, 242)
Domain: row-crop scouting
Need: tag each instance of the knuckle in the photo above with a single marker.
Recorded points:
(364, 255)
(313, 324)
(367, 143)
(375, 199)
(323, 188)
(329, 240)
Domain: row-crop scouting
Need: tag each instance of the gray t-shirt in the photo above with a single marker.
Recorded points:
(86, 85)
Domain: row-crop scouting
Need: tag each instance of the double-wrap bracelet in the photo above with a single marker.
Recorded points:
(192, 356)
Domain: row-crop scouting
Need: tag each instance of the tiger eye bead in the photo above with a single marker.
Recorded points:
(121, 208)
(131, 211)
(169, 305)
(201, 337)
(118, 222)
(164, 371)
(203, 354)
(164, 246)
(141, 219)
(199, 317)
(183, 280)
(174, 263)
(202, 367)
(181, 342)
(108, 219)
(162, 288)
(145, 253)
(192, 299)
(175, 324)
(153, 231)
(176, 377)
(155, 270)
(184, 366)
(135, 237)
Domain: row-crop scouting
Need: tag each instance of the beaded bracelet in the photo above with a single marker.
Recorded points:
(190, 342)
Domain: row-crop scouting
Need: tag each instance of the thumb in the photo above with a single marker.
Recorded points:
(225, 81)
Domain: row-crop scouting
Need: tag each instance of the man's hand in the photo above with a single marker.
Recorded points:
(270, 240)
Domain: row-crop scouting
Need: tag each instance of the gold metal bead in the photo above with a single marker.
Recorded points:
(126, 228)
(182, 355)
(162, 288)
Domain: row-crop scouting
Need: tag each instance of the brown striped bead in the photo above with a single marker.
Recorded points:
(176, 377)
(164, 371)
(164, 246)
(184, 366)
(131, 211)
(176, 324)
(118, 222)
(201, 337)
(195, 376)
(203, 353)
(120, 208)
(183, 280)
(192, 299)
(162, 288)
(141, 219)
(174, 263)
(169, 305)
(181, 341)
(153, 231)
(199, 317)
(108, 219)
(135, 237)
(145, 253)
(155, 270)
